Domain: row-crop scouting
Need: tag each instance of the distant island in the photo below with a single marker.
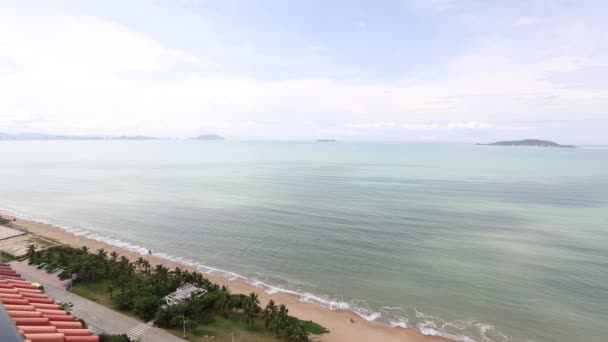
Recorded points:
(42, 136)
(529, 142)
(326, 140)
(208, 137)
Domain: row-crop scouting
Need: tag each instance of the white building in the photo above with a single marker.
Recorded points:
(184, 292)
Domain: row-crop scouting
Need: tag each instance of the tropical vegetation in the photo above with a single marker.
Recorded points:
(114, 338)
(138, 288)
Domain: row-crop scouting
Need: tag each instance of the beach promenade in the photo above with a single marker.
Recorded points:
(99, 318)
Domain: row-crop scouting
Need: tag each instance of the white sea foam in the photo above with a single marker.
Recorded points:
(434, 332)
(428, 327)
(399, 323)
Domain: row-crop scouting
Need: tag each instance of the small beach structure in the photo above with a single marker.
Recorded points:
(184, 292)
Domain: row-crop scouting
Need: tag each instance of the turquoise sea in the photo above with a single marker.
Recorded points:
(475, 242)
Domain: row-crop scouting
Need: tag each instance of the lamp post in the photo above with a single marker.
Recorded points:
(184, 320)
(72, 278)
(149, 261)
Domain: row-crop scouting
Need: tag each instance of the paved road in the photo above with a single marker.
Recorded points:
(98, 317)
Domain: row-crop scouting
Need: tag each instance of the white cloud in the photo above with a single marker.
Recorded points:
(469, 125)
(78, 75)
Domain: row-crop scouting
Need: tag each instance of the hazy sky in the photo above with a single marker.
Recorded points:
(436, 70)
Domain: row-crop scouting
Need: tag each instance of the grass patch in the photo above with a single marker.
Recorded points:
(7, 257)
(95, 291)
(221, 327)
(313, 328)
(42, 242)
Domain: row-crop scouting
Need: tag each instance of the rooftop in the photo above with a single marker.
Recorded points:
(184, 292)
(35, 317)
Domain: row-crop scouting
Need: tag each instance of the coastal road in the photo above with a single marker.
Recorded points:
(98, 317)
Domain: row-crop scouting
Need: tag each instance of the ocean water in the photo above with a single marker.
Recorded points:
(473, 242)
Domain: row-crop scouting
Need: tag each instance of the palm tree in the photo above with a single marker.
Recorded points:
(197, 278)
(253, 297)
(269, 313)
(249, 313)
(161, 271)
(31, 251)
(160, 277)
(123, 260)
(177, 277)
(102, 253)
(110, 290)
(251, 308)
(280, 322)
(223, 302)
(139, 263)
(297, 333)
(113, 256)
(177, 272)
(125, 268)
(130, 268)
(283, 311)
(145, 265)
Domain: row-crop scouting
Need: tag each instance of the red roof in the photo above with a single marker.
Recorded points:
(37, 317)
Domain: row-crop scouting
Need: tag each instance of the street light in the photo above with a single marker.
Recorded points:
(149, 261)
(72, 278)
(184, 320)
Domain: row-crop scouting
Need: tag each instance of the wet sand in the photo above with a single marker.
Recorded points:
(338, 322)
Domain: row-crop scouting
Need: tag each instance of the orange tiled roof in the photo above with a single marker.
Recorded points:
(37, 317)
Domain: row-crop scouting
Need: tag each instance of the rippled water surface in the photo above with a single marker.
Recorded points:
(493, 243)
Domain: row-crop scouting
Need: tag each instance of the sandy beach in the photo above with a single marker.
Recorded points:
(337, 321)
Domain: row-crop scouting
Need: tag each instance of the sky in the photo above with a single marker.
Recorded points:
(420, 70)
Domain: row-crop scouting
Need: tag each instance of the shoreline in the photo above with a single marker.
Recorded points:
(337, 321)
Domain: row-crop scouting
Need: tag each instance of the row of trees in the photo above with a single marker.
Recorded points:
(139, 288)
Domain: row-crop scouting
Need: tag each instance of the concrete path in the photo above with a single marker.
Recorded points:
(7, 233)
(98, 317)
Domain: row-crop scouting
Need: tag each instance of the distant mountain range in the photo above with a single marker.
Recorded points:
(43, 136)
(529, 142)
